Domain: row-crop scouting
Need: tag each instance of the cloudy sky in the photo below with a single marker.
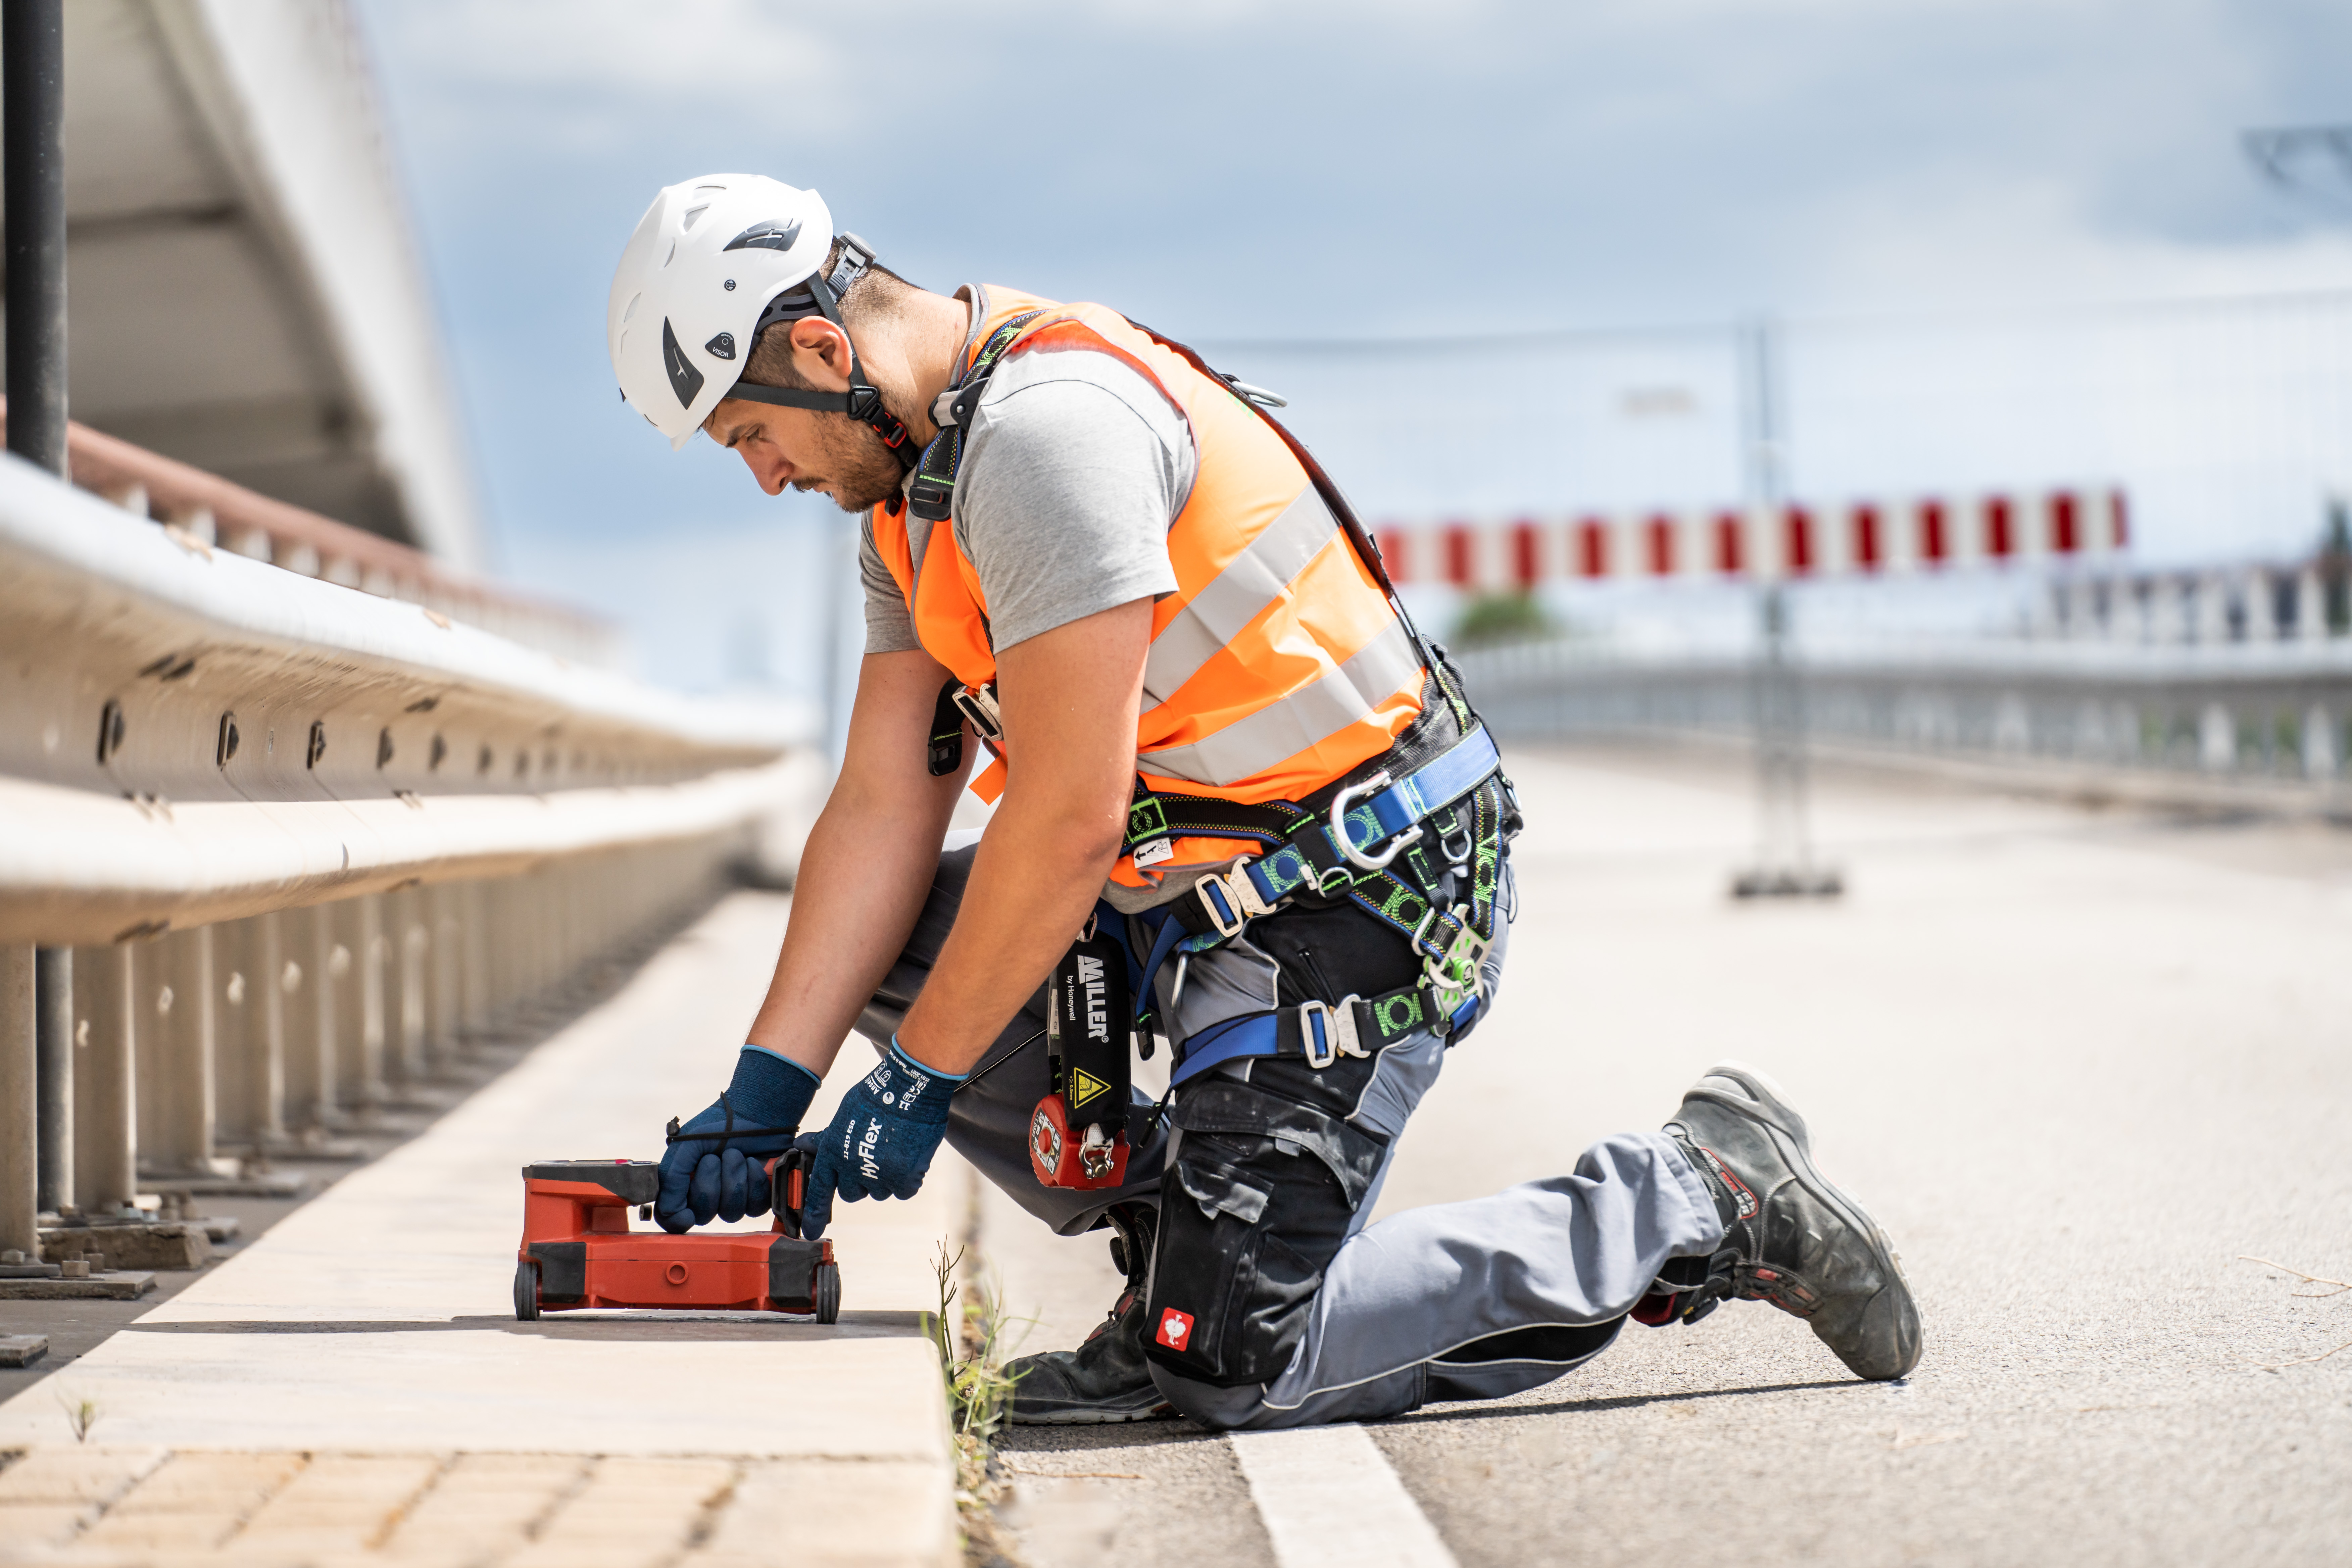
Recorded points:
(1234, 173)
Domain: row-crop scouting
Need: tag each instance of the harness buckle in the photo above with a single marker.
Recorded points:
(1346, 844)
(1455, 976)
(1327, 1031)
(1232, 901)
(979, 705)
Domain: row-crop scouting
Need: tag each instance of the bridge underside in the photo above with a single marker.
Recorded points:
(242, 291)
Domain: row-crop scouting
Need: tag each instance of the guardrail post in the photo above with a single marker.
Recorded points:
(309, 980)
(266, 1007)
(176, 1130)
(249, 1044)
(106, 1097)
(2217, 740)
(20, 1220)
(359, 1002)
(537, 935)
(372, 952)
(54, 1027)
(406, 946)
(442, 981)
(474, 958)
(234, 1010)
(2320, 760)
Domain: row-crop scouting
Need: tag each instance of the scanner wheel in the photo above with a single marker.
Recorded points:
(526, 1291)
(828, 1292)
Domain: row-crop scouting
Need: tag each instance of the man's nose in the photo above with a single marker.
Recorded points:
(766, 466)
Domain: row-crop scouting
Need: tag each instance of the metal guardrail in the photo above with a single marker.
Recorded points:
(207, 509)
(301, 843)
(2273, 713)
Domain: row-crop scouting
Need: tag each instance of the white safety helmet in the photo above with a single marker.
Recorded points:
(712, 264)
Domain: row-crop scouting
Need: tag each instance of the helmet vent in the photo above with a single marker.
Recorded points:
(767, 235)
(693, 216)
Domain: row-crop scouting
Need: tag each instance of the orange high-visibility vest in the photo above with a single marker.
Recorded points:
(1276, 668)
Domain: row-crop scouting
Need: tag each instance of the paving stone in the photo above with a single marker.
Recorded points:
(631, 1511)
(76, 1476)
(341, 1502)
(28, 1527)
(176, 1532)
(485, 1505)
(790, 1512)
(236, 1484)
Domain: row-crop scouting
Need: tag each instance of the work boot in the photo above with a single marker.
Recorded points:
(1105, 1378)
(1788, 1237)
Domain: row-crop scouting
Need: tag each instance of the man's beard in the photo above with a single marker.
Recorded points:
(861, 469)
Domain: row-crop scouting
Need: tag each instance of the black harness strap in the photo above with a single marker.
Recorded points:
(862, 401)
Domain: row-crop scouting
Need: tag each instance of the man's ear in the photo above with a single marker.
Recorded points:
(815, 337)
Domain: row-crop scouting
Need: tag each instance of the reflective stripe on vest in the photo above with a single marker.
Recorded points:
(1276, 666)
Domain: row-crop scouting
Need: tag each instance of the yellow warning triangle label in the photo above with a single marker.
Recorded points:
(1084, 1086)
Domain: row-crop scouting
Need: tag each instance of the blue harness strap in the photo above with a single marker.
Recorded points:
(1283, 870)
(1427, 790)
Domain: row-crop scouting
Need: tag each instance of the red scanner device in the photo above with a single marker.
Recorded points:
(578, 1250)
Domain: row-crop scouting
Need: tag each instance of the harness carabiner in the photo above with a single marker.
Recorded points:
(1345, 844)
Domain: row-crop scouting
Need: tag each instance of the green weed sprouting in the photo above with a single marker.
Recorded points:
(972, 1355)
(81, 1414)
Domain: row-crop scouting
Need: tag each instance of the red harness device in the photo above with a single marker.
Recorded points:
(578, 1250)
(1077, 1135)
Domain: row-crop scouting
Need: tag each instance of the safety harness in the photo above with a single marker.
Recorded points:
(1422, 853)
(862, 401)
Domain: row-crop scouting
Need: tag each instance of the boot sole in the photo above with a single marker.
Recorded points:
(1790, 1136)
(1092, 1417)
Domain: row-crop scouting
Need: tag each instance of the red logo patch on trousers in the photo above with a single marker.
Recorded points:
(1175, 1328)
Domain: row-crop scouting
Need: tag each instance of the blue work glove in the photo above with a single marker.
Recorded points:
(882, 1138)
(708, 1178)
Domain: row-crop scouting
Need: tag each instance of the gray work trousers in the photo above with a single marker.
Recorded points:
(1467, 1300)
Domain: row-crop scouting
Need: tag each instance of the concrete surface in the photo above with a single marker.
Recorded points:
(363, 1359)
(2076, 1061)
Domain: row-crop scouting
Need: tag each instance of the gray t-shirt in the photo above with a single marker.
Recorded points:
(1073, 469)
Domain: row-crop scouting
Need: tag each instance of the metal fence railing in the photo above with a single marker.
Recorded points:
(2277, 711)
(273, 851)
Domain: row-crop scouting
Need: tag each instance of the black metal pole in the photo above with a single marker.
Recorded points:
(33, 164)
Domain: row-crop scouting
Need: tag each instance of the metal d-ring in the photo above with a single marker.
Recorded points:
(1346, 844)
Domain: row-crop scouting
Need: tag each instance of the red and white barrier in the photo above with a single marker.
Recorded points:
(1863, 538)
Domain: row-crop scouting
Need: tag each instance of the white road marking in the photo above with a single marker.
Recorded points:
(1330, 1500)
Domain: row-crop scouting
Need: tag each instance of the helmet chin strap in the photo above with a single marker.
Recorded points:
(862, 401)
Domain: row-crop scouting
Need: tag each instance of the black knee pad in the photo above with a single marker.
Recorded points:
(1256, 1204)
